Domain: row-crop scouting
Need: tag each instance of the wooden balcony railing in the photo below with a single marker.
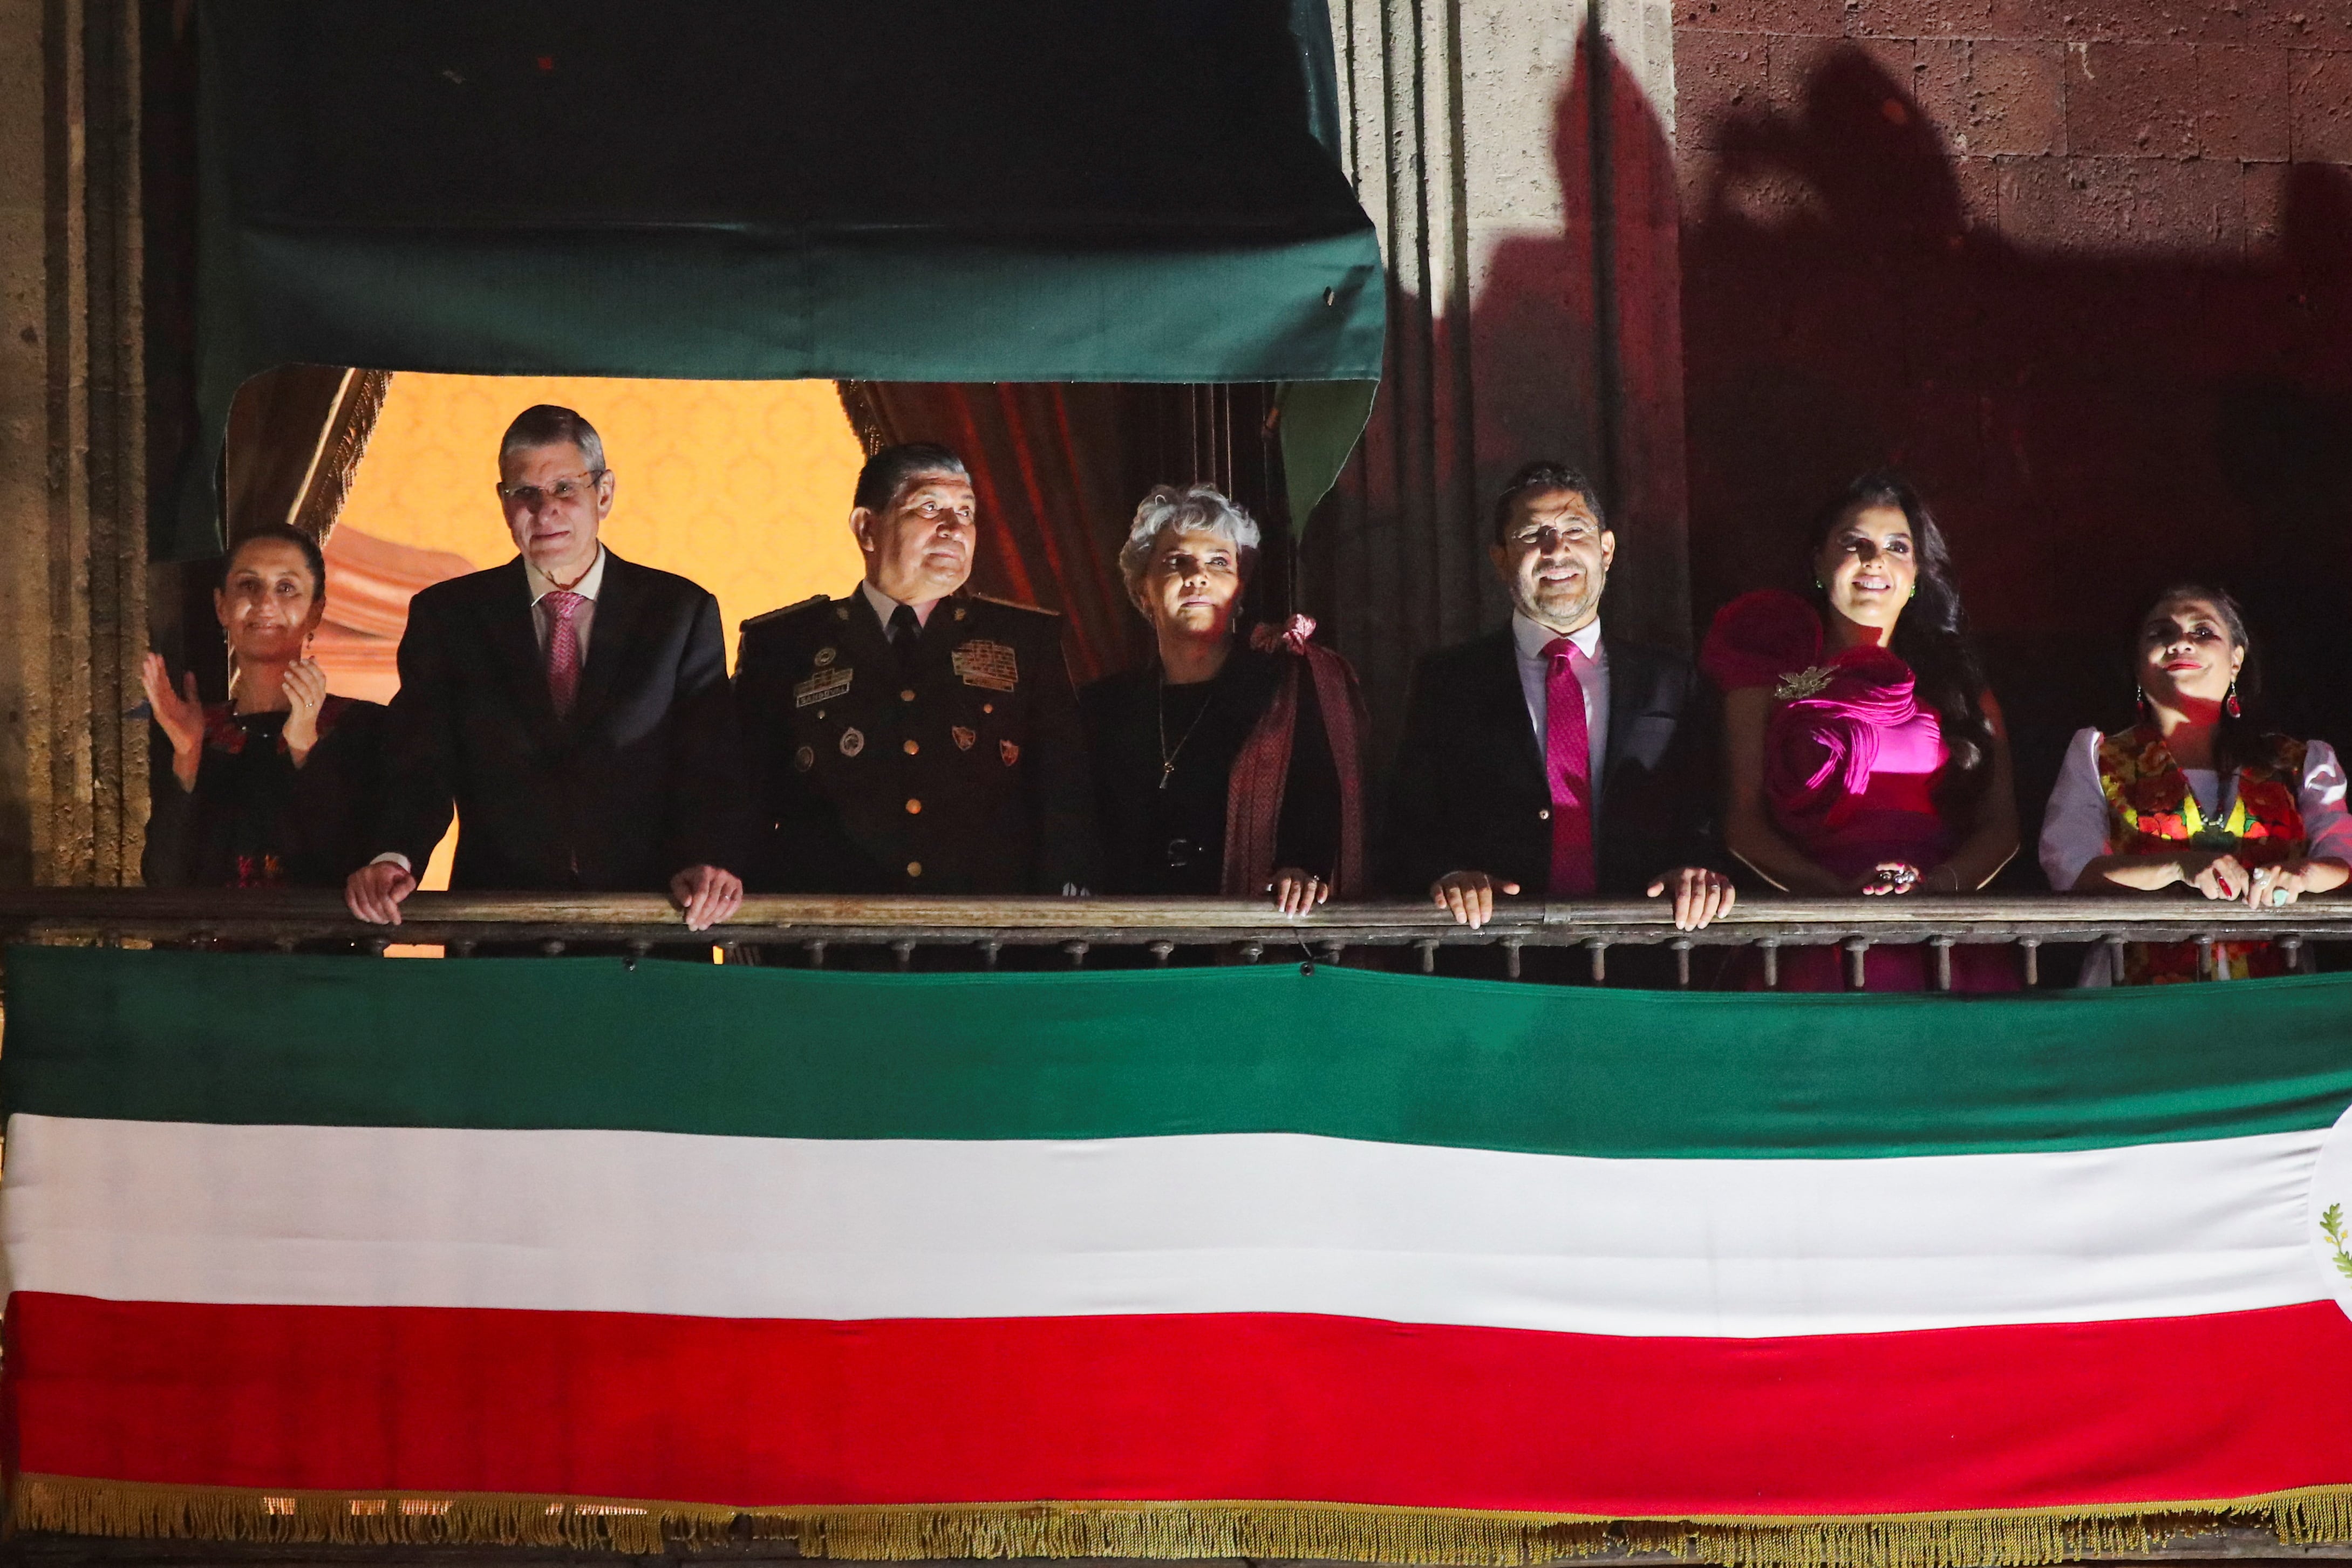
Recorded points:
(814, 931)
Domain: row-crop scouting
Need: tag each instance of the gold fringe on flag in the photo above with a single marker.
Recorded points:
(1331, 1532)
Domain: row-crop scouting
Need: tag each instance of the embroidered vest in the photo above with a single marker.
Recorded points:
(2150, 806)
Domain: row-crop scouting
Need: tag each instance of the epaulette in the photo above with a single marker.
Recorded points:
(1012, 604)
(762, 620)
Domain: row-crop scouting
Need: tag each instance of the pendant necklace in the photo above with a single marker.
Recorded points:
(1167, 757)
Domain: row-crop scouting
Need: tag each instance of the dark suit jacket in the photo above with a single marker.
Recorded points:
(1469, 792)
(643, 778)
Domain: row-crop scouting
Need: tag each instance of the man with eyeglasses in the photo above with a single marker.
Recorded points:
(1549, 760)
(913, 737)
(573, 707)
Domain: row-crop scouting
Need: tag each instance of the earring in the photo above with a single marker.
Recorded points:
(1818, 583)
(1914, 592)
(2139, 696)
(2229, 703)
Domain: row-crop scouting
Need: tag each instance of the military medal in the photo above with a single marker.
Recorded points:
(1008, 751)
(992, 666)
(823, 686)
(853, 740)
(964, 739)
(804, 759)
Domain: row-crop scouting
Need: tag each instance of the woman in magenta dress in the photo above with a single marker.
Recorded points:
(1866, 757)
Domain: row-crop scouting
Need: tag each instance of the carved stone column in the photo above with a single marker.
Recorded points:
(72, 465)
(1517, 160)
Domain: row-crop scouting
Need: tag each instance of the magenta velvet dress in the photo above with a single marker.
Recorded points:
(1851, 764)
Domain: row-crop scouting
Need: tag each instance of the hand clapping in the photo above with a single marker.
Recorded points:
(178, 713)
(306, 693)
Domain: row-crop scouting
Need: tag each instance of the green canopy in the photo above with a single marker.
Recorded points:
(883, 190)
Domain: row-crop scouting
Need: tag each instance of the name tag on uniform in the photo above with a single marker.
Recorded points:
(823, 687)
(989, 665)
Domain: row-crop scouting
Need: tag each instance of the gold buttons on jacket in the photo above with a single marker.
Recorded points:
(910, 748)
(914, 808)
(908, 695)
(914, 868)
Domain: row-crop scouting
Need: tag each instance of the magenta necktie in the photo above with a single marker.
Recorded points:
(562, 647)
(1568, 769)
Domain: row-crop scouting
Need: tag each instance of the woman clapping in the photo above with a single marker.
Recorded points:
(268, 789)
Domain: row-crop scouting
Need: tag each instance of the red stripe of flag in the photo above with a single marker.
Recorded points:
(1262, 1406)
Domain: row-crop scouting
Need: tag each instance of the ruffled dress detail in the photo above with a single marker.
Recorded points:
(1851, 764)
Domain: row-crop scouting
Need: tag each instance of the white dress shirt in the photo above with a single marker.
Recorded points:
(543, 619)
(884, 606)
(1530, 639)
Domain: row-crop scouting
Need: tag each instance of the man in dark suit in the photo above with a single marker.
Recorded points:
(912, 737)
(1546, 758)
(573, 707)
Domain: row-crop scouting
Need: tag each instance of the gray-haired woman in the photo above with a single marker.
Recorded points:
(1226, 765)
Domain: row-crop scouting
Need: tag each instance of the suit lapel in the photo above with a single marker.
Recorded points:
(513, 641)
(1505, 704)
(612, 639)
(1629, 698)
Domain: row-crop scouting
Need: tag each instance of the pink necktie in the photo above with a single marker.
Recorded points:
(563, 648)
(1568, 769)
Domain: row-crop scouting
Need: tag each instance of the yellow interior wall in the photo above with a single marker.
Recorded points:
(742, 486)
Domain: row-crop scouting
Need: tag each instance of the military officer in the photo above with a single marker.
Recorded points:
(912, 737)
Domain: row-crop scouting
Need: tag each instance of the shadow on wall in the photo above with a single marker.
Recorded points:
(2090, 417)
(1516, 365)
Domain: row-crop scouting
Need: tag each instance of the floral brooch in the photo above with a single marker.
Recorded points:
(1801, 684)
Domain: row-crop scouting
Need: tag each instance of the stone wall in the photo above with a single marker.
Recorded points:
(72, 467)
(2080, 266)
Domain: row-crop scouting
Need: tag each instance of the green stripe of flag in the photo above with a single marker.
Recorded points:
(680, 1047)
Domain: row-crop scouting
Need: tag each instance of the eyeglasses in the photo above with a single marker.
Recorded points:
(562, 492)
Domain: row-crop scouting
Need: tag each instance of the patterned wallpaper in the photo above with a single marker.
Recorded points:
(742, 486)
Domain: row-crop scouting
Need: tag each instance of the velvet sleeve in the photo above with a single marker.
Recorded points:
(1758, 637)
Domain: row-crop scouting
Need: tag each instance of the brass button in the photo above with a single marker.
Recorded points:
(914, 868)
(910, 748)
(988, 707)
(908, 695)
(914, 808)
(1544, 816)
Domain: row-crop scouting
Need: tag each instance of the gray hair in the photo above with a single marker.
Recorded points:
(1201, 509)
(552, 424)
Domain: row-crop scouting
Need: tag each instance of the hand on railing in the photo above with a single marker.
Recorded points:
(1468, 896)
(1700, 895)
(707, 895)
(374, 892)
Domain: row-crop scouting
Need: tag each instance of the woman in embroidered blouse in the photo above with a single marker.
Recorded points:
(1865, 756)
(2195, 796)
(270, 788)
(1226, 765)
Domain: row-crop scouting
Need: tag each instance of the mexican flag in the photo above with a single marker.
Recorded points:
(1240, 1261)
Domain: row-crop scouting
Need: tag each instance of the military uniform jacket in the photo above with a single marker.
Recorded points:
(964, 771)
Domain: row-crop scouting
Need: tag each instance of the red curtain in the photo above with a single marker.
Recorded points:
(1058, 468)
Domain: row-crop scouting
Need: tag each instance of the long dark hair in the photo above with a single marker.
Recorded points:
(1932, 637)
(2238, 738)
